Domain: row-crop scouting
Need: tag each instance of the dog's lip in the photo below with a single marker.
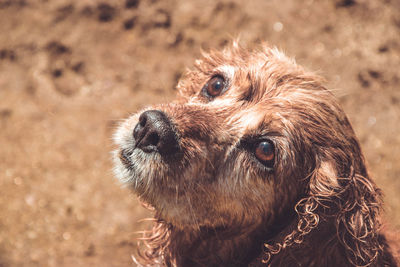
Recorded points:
(124, 157)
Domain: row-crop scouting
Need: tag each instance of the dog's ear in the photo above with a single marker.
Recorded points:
(354, 202)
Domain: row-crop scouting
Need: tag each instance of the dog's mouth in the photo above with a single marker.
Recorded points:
(124, 158)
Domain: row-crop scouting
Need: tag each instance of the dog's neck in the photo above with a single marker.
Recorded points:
(219, 246)
(231, 247)
(228, 248)
(215, 247)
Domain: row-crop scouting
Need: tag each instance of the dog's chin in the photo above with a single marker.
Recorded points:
(164, 200)
(145, 175)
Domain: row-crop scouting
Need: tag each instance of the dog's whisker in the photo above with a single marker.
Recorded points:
(193, 214)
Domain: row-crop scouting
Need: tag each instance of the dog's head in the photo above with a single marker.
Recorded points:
(251, 137)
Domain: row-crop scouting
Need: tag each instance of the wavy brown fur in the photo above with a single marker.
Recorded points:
(318, 207)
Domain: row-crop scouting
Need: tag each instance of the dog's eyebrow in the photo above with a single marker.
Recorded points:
(247, 120)
(227, 71)
(248, 94)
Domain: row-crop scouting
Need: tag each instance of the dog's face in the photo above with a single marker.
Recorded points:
(236, 148)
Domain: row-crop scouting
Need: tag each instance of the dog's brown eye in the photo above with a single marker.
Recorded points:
(215, 86)
(265, 152)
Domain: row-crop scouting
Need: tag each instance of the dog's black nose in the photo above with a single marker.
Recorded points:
(154, 132)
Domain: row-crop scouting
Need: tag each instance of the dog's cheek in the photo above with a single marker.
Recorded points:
(245, 188)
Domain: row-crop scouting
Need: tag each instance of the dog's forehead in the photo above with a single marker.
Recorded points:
(248, 72)
(262, 87)
(257, 74)
(248, 120)
(255, 79)
(245, 68)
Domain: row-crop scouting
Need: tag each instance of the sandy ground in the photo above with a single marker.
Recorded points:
(69, 70)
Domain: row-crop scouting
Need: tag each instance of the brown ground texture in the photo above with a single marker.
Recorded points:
(70, 70)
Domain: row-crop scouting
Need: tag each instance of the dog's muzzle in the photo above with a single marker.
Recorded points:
(155, 133)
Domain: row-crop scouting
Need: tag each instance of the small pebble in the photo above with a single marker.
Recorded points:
(18, 180)
(66, 236)
(278, 26)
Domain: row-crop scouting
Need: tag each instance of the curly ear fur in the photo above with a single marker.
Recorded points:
(358, 223)
(353, 203)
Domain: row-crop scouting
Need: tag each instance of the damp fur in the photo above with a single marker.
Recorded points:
(219, 206)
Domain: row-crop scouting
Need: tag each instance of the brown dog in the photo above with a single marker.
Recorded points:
(254, 164)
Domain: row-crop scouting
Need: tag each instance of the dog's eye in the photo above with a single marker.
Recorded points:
(265, 152)
(215, 86)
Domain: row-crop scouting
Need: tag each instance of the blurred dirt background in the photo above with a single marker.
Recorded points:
(70, 69)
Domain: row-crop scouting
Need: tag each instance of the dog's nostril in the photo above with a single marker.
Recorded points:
(137, 130)
(142, 120)
(154, 132)
(153, 138)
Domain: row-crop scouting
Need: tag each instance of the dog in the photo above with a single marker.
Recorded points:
(254, 164)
